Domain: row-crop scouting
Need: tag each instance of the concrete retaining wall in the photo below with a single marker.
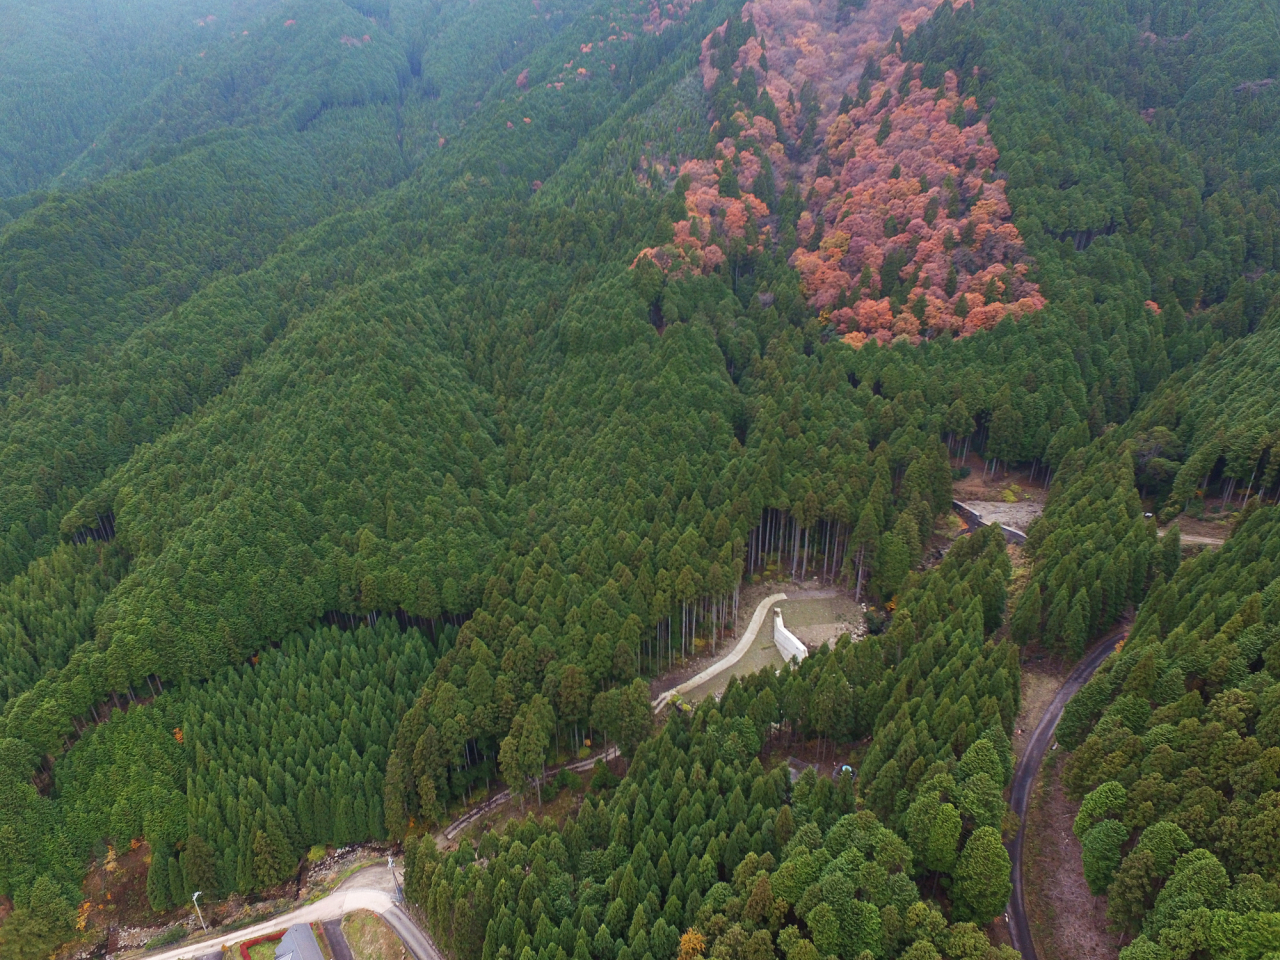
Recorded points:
(748, 638)
(788, 643)
(968, 516)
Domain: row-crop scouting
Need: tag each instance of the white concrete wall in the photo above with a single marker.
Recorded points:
(757, 620)
(788, 643)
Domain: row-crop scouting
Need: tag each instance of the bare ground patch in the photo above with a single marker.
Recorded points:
(1042, 677)
(819, 617)
(1017, 516)
(370, 938)
(1203, 533)
(977, 486)
(1067, 921)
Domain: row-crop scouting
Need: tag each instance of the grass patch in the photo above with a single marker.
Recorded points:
(370, 938)
(172, 935)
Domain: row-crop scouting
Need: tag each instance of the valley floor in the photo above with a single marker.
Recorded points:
(1067, 921)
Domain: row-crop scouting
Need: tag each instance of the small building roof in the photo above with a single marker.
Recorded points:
(298, 943)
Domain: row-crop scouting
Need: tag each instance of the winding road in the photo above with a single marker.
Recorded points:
(373, 888)
(450, 833)
(726, 662)
(1024, 776)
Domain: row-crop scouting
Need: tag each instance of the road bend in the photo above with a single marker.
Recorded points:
(373, 888)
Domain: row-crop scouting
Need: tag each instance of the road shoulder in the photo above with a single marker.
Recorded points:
(1067, 921)
(1038, 745)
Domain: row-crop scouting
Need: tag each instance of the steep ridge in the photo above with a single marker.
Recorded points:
(452, 414)
(903, 228)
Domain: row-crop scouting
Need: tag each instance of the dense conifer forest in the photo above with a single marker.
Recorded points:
(391, 390)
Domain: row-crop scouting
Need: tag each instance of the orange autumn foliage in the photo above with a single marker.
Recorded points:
(714, 221)
(906, 196)
(901, 182)
(925, 184)
(663, 15)
(692, 943)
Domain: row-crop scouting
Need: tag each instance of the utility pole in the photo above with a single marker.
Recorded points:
(195, 899)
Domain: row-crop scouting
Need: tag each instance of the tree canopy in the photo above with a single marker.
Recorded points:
(390, 390)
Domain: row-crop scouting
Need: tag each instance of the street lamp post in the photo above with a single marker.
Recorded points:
(391, 865)
(195, 899)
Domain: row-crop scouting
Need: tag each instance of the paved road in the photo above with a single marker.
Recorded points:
(370, 889)
(729, 659)
(1024, 776)
(419, 944)
(337, 940)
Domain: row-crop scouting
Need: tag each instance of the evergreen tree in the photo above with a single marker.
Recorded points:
(981, 887)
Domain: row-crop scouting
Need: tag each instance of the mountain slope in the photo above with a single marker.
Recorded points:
(454, 396)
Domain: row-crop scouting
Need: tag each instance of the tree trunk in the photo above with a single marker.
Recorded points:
(826, 552)
(781, 537)
(715, 620)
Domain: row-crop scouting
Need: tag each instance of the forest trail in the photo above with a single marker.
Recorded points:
(450, 833)
(1198, 539)
(730, 658)
(373, 888)
(1024, 777)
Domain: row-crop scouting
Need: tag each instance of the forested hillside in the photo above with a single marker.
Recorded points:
(1176, 757)
(390, 390)
(700, 851)
(68, 69)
